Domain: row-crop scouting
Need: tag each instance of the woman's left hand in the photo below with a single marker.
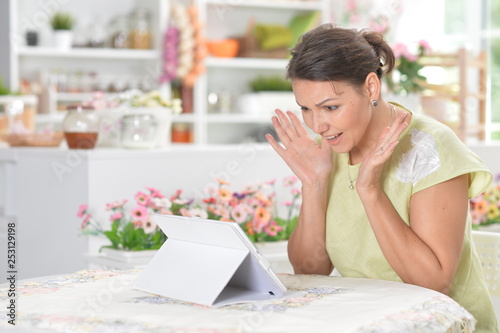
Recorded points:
(372, 165)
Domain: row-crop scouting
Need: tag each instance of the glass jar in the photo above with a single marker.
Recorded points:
(80, 127)
(181, 133)
(119, 28)
(139, 131)
(140, 34)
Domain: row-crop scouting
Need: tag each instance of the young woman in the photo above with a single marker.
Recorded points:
(385, 191)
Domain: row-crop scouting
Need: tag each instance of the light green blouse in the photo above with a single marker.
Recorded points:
(428, 153)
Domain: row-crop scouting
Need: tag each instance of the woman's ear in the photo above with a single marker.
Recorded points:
(373, 85)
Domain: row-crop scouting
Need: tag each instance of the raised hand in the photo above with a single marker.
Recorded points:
(310, 161)
(371, 167)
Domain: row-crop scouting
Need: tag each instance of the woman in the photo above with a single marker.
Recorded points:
(385, 191)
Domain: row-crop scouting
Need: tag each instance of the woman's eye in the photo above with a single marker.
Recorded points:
(303, 108)
(331, 107)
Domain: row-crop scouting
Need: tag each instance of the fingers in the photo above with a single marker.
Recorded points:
(390, 135)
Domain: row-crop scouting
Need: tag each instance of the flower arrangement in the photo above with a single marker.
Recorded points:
(254, 208)
(406, 77)
(485, 208)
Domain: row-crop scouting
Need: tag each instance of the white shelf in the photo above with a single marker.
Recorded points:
(235, 118)
(270, 4)
(248, 63)
(93, 53)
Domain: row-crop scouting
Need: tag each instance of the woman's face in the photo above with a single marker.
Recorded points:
(335, 110)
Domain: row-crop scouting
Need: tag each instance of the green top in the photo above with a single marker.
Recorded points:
(428, 153)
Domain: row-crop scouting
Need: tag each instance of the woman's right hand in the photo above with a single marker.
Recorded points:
(309, 161)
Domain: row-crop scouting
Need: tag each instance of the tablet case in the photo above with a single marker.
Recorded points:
(208, 262)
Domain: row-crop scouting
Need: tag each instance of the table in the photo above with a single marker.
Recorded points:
(103, 301)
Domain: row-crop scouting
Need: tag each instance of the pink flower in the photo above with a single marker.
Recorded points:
(296, 192)
(273, 228)
(115, 217)
(142, 198)
(185, 212)
(149, 226)
(271, 182)
(196, 212)
(399, 50)
(82, 210)
(155, 193)
(424, 45)
(287, 203)
(85, 221)
(239, 213)
(290, 180)
(140, 213)
(116, 204)
(225, 194)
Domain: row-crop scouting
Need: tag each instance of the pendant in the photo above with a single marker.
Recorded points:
(351, 187)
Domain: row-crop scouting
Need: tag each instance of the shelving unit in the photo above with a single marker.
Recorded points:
(35, 63)
(471, 101)
(221, 19)
(232, 75)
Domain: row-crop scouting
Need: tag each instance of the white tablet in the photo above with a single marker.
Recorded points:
(208, 262)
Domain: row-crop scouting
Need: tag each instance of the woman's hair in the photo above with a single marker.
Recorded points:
(329, 53)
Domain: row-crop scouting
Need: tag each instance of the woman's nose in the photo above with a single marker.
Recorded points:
(320, 124)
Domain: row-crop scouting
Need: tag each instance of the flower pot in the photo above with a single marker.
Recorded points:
(129, 257)
(277, 255)
(265, 102)
(62, 39)
(163, 117)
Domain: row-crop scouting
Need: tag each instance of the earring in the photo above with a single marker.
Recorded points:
(374, 103)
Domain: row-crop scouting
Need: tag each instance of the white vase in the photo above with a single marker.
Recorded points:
(109, 127)
(277, 255)
(494, 227)
(163, 116)
(265, 102)
(62, 39)
(129, 257)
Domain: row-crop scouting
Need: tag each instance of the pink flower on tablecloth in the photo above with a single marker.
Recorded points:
(142, 198)
(140, 213)
(82, 210)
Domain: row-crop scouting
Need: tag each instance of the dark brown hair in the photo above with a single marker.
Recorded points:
(329, 53)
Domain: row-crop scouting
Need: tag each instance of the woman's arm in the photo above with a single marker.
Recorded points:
(312, 164)
(307, 244)
(427, 252)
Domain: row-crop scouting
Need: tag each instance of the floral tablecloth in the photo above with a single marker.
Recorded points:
(103, 301)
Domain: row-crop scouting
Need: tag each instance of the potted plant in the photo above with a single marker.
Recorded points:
(62, 23)
(267, 94)
(134, 237)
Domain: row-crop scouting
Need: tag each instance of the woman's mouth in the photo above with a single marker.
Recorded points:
(334, 138)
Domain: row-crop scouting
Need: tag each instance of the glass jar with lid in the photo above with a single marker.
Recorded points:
(140, 33)
(80, 127)
(119, 28)
(139, 131)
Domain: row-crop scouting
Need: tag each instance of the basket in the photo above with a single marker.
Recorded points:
(34, 139)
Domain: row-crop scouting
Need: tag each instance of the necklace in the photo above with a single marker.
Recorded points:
(351, 181)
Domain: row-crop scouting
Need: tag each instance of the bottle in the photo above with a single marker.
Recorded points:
(80, 127)
(119, 27)
(140, 34)
(139, 131)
